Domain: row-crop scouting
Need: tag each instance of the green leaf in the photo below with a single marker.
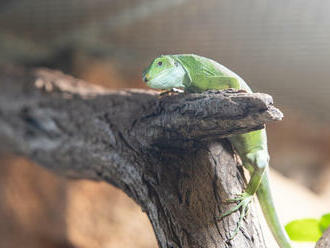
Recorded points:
(307, 230)
(325, 222)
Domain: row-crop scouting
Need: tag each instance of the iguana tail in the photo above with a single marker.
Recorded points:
(268, 209)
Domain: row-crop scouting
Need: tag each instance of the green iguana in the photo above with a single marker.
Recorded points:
(194, 73)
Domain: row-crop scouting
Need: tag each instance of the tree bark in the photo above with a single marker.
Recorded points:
(167, 153)
(324, 241)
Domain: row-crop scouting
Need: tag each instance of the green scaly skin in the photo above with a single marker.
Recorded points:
(194, 73)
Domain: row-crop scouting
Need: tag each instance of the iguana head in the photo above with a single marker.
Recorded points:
(164, 73)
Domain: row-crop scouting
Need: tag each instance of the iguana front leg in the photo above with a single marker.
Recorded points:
(203, 83)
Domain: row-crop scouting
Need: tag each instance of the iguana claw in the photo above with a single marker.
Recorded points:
(171, 91)
(243, 200)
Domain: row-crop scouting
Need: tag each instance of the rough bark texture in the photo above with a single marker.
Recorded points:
(167, 153)
(324, 241)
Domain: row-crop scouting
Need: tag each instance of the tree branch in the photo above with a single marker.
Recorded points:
(167, 153)
(324, 241)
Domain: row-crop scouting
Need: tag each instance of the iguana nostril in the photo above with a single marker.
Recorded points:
(145, 79)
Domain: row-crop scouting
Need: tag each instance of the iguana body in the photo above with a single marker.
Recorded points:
(194, 73)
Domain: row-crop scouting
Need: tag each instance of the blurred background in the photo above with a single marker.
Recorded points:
(279, 47)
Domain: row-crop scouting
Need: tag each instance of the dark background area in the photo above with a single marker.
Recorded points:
(278, 47)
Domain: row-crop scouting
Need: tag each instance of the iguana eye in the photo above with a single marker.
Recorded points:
(160, 63)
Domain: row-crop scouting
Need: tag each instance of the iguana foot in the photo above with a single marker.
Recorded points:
(243, 200)
(170, 92)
